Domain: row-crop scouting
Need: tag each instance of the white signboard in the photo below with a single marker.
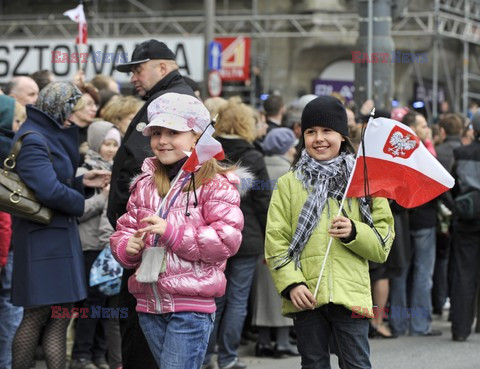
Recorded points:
(64, 58)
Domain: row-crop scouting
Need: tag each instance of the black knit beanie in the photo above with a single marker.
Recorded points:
(325, 111)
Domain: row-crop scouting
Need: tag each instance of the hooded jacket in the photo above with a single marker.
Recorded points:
(346, 279)
(197, 246)
(89, 222)
(7, 110)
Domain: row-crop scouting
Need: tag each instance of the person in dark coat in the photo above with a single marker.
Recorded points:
(451, 125)
(235, 127)
(48, 264)
(154, 73)
(466, 240)
(274, 111)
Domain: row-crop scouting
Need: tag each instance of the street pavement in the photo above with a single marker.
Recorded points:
(401, 353)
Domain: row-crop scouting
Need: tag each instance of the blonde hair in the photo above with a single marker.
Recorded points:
(236, 118)
(206, 173)
(123, 106)
(20, 114)
(102, 81)
(213, 105)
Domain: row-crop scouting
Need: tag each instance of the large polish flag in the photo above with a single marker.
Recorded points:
(206, 148)
(78, 15)
(398, 166)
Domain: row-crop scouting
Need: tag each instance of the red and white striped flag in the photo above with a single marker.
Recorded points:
(78, 15)
(206, 148)
(398, 166)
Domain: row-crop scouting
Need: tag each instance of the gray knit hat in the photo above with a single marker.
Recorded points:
(325, 111)
(96, 133)
(278, 141)
(58, 99)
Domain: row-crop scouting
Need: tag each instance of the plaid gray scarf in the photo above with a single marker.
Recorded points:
(322, 179)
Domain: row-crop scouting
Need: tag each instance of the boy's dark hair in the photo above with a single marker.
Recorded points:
(273, 105)
(452, 124)
(9, 87)
(42, 78)
(410, 119)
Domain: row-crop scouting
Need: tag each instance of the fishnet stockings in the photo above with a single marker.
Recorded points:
(54, 338)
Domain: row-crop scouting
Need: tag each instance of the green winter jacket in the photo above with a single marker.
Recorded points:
(346, 279)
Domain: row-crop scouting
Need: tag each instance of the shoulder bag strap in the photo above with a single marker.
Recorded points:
(10, 161)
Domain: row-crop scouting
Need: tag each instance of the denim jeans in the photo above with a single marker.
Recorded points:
(177, 340)
(232, 309)
(10, 316)
(422, 265)
(316, 327)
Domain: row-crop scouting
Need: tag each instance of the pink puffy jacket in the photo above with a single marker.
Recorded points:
(197, 246)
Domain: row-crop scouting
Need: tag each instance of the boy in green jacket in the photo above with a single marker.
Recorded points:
(302, 218)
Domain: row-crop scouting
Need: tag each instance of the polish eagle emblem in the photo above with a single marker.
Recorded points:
(401, 143)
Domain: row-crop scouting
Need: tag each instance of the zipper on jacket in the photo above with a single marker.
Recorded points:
(158, 307)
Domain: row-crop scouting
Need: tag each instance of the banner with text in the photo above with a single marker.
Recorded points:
(64, 58)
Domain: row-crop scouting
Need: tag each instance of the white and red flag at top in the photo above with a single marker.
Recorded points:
(398, 166)
(206, 148)
(78, 15)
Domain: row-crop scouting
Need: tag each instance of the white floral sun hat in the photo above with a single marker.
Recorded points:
(178, 112)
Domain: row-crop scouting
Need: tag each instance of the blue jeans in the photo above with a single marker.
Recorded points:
(232, 309)
(10, 316)
(177, 340)
(422, 265)
(316, 327)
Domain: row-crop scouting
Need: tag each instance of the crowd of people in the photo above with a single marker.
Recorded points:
(209, 259)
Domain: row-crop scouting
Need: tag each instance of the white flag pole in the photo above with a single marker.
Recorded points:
(330, 240)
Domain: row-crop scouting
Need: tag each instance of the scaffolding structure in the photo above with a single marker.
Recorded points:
(447, 22)
(452, 19)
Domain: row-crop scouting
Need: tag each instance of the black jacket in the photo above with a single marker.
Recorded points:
(466, 172)
(136, 147)
(254, 203)
(272, 125)
(445, 151)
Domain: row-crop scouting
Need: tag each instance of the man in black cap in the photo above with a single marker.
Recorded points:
(154, 73)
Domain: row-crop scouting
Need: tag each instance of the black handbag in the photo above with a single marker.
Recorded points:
(15, 197)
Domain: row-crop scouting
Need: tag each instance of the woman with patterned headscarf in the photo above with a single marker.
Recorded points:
(48, 273)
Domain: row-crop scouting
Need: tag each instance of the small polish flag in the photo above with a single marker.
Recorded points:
(78, 15)
(398, 166)
(206, 148)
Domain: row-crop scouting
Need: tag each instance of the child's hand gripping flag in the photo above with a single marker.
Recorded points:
(206, 148)
(398, 166)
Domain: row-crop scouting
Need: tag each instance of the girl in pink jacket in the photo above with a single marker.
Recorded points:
(198, 230)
